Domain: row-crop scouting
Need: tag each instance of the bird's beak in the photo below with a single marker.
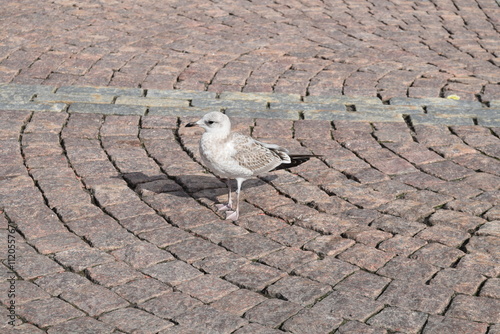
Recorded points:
(191, 124)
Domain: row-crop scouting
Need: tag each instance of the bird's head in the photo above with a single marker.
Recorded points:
(213, 122)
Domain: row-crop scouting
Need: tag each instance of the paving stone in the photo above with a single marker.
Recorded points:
(143, 223)
(23, 291)
(81, 325)
(299, 290)
(55, 284)
(292, 236)
(141, 255)
(475, 208)
(58, 242)
(272, 312)
(491, 288)
(307, 321)
(460, 280)
(480, 262)
(170, 305)
(221, 264)
(348, 305)
(150, 102)
(397, 225)
(288, 258)
(399, 320)
(113, 273)
(173, 272)
(402, 245)
(328, 245)
(194, 249)
(166, 236)
(367, 236)
(408, 269)
(495, 329)
(355, 327)
(48, 312)
(438, 254)
(407, 209)
(366, 257)
(458, 220)
(251, 245)
(238, 302)
(93, 224)
(439, 324)
(328, 270)
(33, 265)
(481, 309)
(27, 218)
(141, 290)
(218, 231)
(134, 320)
(484, 244)
(179, 94)
(254, 276)
(364, 283)
(210, 320)
(81, 258)
(254, 328)
(93, 299)
(110, 240)
(444, 234)
(207, 288)
(100, 90)
(420, 297)
(107, 109)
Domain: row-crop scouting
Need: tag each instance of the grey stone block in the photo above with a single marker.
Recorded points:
(70, 98)
(342, 99)
(26, 89)
(383, 109)
(490, 122)
(108, 109)
(178, 111)
(433, 101)
(353, 116)
(308, 106)
(263, 97)
(273, 114)
(208, 103)
(179, 94)
(100, 90)
(55, 107)
(151, 102)
(443, 120)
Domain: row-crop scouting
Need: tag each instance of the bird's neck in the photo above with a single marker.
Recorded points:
(219, 135)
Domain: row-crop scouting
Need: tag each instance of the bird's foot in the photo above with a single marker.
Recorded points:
(223, 207)
(232, 215)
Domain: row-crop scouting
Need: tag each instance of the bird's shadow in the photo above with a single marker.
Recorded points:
(198, 186)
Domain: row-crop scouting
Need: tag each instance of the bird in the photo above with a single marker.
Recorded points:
(232, 155)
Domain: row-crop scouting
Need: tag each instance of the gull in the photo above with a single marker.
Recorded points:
(232, 155)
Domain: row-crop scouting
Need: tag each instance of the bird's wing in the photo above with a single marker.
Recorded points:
(257, 156)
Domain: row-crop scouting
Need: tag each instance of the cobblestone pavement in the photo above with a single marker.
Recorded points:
(385, 48)
(110, 215)
(395, 229)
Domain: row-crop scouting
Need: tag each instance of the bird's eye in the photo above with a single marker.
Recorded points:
(210, 122)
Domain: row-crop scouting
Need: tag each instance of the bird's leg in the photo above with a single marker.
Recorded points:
(229, 205)
(233, 215)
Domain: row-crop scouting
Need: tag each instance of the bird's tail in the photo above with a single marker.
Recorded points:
(296, 159)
